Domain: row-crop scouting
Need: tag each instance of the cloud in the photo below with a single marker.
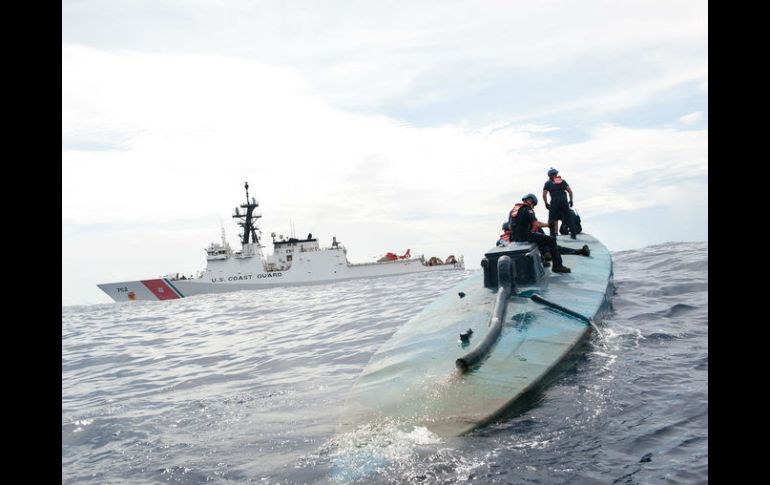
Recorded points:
(188, 130)
(404, 57)
(691, 118)
(413, 124)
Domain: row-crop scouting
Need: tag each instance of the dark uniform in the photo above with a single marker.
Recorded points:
(520, 222)
(564, 230)
(557, 187)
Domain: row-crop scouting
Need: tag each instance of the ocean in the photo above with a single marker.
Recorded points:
(249, 387)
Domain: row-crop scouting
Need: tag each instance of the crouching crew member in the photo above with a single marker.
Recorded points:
(523, 224)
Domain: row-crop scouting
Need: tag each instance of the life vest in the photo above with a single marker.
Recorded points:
(515, 212)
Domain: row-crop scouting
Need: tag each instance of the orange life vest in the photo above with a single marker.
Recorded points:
(515, 212)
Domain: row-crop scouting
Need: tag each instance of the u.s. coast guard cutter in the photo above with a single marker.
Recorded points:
(293, 262)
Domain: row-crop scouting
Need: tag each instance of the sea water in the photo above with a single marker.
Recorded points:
(249, 387)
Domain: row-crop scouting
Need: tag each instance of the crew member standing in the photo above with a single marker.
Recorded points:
(559, 207)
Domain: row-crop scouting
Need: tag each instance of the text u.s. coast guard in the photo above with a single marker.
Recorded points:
(277, 274)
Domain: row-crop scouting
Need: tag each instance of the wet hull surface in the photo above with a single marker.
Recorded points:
(412, 378)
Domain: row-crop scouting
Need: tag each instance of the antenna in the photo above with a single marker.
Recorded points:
(248, 219)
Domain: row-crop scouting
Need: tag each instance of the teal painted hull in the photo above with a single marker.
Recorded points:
(412, 379)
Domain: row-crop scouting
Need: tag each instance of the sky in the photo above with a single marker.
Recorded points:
(388, 124)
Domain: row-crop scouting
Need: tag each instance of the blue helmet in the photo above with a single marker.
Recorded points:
(552, 172)
(530, 196)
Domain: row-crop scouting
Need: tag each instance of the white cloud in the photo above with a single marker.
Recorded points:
(190, 129)
(371, 55)
(169, 105)
(691, 118)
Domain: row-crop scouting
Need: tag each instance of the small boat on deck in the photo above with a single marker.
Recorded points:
(478, 352)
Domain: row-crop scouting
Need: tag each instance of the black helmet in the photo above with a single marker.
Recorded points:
(530, 196)
(552, 172)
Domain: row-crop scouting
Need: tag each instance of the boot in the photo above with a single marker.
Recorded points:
(561, 269)
(586, 251)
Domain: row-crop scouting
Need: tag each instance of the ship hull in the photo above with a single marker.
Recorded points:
(300, 274)
(413, 378)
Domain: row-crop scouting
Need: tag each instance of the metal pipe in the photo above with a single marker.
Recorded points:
(505, 270)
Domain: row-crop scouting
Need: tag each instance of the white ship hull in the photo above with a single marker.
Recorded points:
(301, 273)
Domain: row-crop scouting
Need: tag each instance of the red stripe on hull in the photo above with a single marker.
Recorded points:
(160, 289)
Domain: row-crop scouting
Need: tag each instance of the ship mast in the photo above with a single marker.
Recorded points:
(248, 219)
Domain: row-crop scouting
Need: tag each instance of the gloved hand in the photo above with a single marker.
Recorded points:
(548, 206)
(570, 203)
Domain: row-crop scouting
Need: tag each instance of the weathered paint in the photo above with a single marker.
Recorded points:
(412, 378)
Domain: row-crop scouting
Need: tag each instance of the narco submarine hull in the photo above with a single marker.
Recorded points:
(475, 354)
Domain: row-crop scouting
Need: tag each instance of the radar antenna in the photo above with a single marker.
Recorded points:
(248, 220)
